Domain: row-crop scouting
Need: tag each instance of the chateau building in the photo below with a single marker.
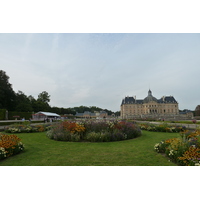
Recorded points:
(166, 106)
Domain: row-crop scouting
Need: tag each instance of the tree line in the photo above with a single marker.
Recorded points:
(12, 101)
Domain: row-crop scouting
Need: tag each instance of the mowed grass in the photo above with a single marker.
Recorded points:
(41, 151)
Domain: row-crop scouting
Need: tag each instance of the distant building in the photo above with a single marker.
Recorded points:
(87, 114)
(150, 106)
(45, 115)
(186, 113)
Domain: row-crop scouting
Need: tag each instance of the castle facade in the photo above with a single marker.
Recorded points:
(150, 106)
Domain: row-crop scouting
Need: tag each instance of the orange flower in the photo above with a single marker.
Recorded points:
(73, 127)
(192, 154)
(9, 143)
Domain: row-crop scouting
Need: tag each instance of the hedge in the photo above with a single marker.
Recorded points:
(2, 114)
(26, 115)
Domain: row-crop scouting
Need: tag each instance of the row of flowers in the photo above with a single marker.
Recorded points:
(10, 145)
(27, 128)
(161, 127)
(94, 131)
(184, 150)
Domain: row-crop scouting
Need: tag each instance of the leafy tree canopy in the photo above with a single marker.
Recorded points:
(7, 95)
(23, 104)
(44, 97)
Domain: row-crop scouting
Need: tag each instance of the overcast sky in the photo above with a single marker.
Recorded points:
(101, 69)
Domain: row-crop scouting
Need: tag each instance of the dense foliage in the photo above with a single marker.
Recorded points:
(7, 100)
(184, 150)
(94, 131)
(10, 145)
(2, 114)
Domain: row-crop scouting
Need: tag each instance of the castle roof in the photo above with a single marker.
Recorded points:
(167, 99)
(149, 98)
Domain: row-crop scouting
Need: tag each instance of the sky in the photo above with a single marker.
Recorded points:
(93, 69)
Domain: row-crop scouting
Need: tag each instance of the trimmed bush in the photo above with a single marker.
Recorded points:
(26, 115)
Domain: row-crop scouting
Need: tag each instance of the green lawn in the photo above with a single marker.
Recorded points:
(41, 151)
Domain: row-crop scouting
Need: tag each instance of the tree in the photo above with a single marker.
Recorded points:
(33, 102)
(42, 102)
(117, 113)
(23, 104)
(55, 110)
(197, 110)
(44, 97)
(7, 95)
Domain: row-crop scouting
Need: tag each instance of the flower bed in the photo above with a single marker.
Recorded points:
(27, 128)
(10, 145)
(162, 128)
(94, 131)
(184, 150)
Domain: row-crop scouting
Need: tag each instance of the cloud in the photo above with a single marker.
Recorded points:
(101, 69)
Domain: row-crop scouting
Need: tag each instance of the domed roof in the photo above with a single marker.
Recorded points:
(150, 97)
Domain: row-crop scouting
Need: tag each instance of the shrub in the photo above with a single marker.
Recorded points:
(184, 150)
(75, 137)
(104, 136)
(161, 147)
(191, 156)
(94, 131)
(93, 137)
(96, 126)
(10, 145)
(130, 130)
(66, 131)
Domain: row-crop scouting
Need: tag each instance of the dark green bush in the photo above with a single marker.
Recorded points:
(2, 114)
